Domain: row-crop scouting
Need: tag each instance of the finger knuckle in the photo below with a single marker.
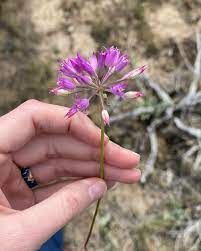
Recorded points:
(31, 106)
(72, 204)
(95, 154)
(31, 103)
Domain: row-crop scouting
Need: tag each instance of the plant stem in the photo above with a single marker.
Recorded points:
(102, 175)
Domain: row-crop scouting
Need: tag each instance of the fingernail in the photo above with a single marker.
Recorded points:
(97, 190)
(137, 156)
(138, 174)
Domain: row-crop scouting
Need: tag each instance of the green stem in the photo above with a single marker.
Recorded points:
(102, 175)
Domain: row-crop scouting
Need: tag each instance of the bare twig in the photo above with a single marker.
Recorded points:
(194, 192)
(197, 68)
(183, 54)
(190, 238)
(133, 114)
(192, 151)
(197, 75)
(153, 154)
(197, 163)
(159, 91)
(190, 130)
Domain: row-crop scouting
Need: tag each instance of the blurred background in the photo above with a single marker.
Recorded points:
(162, 212)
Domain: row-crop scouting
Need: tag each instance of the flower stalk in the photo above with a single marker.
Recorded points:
(102, 176)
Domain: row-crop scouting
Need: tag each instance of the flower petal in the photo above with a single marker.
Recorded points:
(93, 61)
(67, 68)
(83, 79)
(65, 83)
(122, 63)
(82, 104)
(73, 110)
(101, 59)
(85, 65)
(112, 56)
(118, 89)
(132, 74)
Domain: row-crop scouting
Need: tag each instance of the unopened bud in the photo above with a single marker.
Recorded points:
(132, 94)
(132, 74)
(105, 96)
(106, 117)
(60, 92)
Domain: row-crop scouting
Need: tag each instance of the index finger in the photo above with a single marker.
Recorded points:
(34, 117)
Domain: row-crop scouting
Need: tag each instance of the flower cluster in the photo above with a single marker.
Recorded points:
(80, 76)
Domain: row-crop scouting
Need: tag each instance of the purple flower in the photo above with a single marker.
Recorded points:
(93, 62)
(101, 59)
(115, 59)
(65, 83)
(75, 65)
(92, 77)
(67, 68)
(85, 65)
(112, 56)
(118, 89)
(80, 105)
(83, 79)
(122, 63)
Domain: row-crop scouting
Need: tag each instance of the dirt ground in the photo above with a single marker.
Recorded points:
(35, 35)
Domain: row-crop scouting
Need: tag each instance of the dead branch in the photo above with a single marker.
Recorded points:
(133, 114)
(183, 54)
(194, 192)
(153, 154)
(197, 68)
(159, 91)
(192, 151)
(190, 130)
(197, 164)
(190, 238)
(197, 75)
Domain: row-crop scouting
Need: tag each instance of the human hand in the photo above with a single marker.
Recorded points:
(36, 135)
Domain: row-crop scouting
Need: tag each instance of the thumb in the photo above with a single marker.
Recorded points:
(44, 219)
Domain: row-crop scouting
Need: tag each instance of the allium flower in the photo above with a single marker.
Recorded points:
(87, 78)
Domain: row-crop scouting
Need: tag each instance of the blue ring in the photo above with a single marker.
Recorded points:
(25, 172)
(56, 242)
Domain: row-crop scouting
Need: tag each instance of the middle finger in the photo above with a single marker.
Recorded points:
(44, 147)
(54, 169)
